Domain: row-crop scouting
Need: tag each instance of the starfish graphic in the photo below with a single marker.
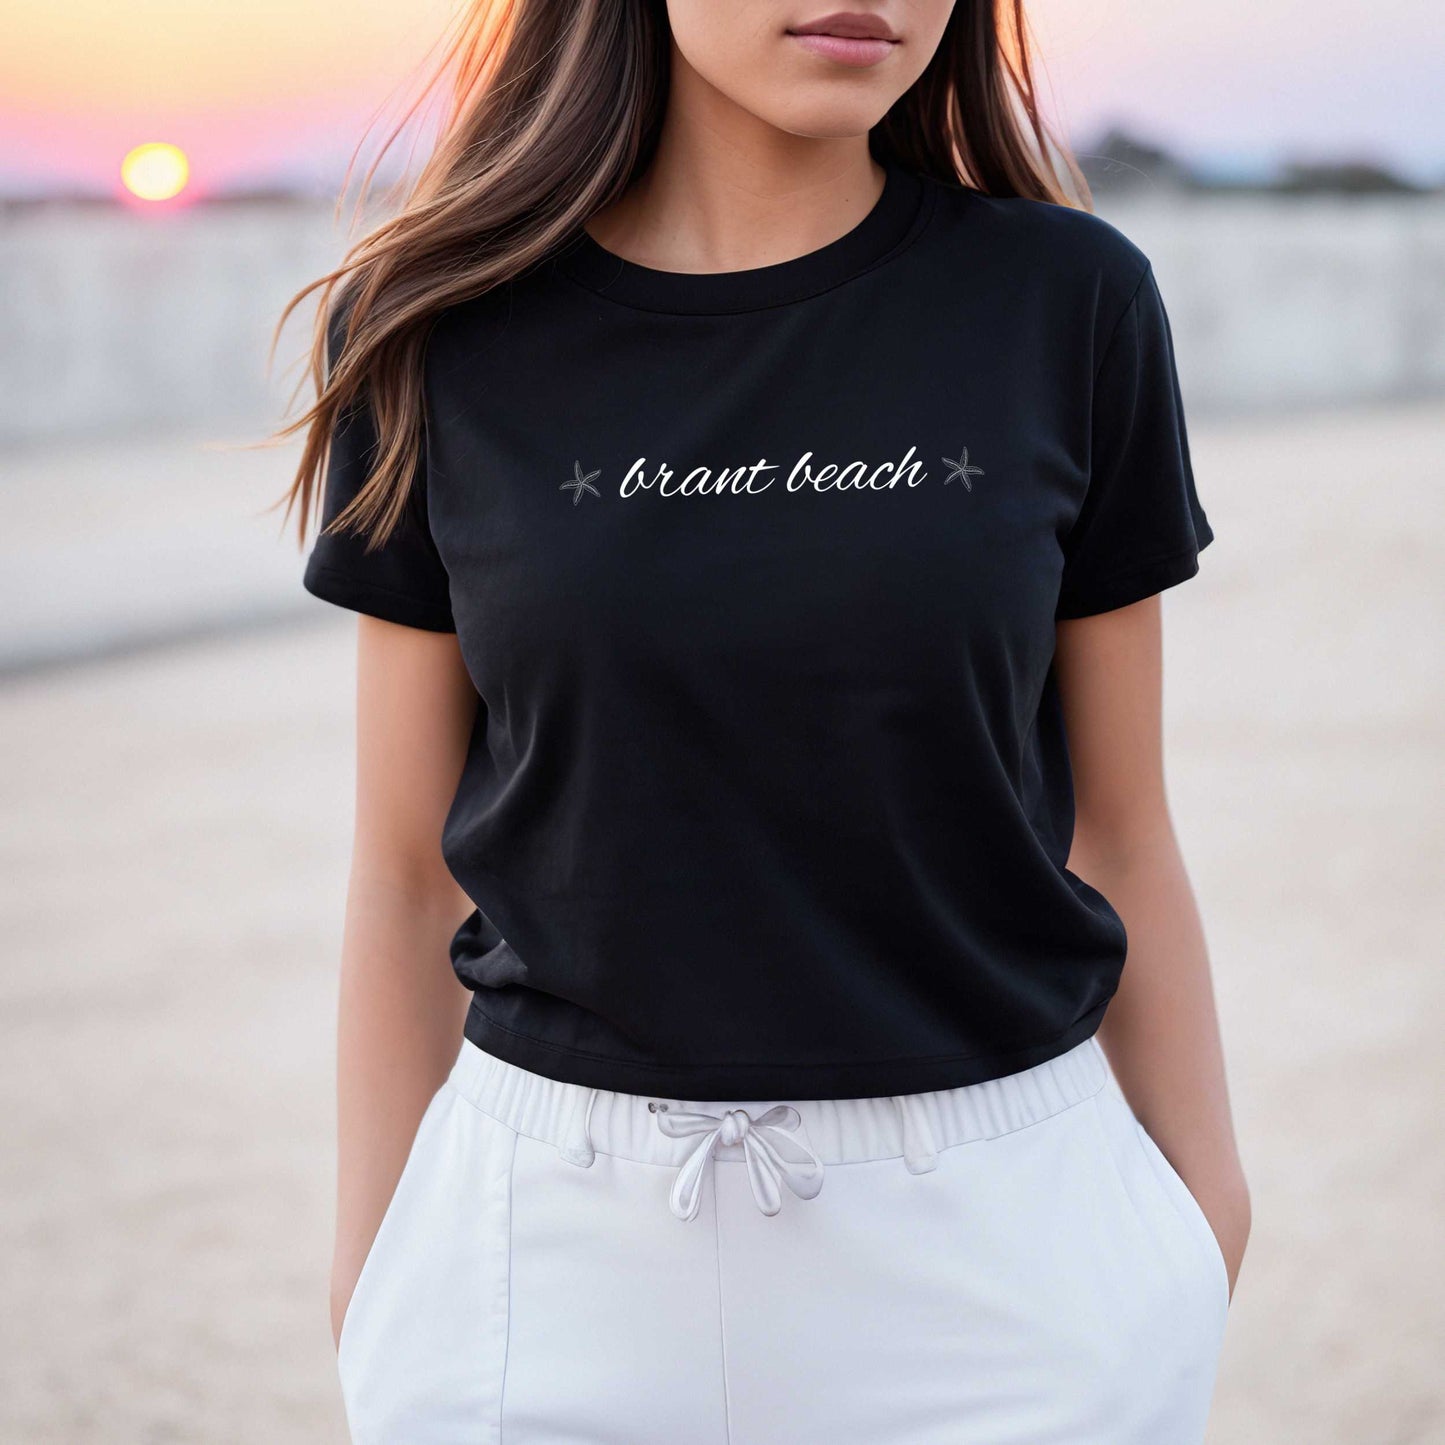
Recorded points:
(580, 484)
(962, 470)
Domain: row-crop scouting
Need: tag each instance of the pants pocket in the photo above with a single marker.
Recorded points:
(1166, 1210)
(394, 1207)
(1182, 1199)
(423, 1344)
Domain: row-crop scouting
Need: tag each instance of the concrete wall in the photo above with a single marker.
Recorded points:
(113, 319)
(117, 320)
(1299, 301)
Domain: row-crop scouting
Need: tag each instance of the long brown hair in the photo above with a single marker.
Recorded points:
(550, 109)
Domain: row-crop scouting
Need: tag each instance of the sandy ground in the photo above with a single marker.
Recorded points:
(172, 851)
(113, 543)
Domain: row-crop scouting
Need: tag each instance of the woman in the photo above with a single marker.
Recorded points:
(758, 489)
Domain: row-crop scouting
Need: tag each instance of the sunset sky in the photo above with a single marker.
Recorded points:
(257, 91)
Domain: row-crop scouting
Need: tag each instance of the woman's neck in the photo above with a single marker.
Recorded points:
(727, 192)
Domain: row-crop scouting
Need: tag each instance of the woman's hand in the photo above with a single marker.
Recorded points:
(1226, 1206)
(343, 1286)
(346, 1263)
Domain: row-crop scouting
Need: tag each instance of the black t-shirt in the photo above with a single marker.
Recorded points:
(756, 575)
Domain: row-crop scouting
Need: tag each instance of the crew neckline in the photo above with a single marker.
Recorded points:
(894, 218)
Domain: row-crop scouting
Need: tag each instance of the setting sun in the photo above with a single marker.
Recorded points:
(156, 171)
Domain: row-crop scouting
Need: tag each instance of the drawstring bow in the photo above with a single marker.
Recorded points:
(772, 1150)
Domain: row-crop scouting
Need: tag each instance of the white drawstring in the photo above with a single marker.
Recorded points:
(771, 1148)
(576, 1147)
(920, 1152)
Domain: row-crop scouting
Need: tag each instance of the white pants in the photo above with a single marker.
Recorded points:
(1009, 1263)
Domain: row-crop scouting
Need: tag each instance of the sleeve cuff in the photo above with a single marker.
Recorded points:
(1136, 584)
(346, 591)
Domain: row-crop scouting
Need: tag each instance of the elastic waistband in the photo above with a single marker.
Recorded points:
(582, 1121)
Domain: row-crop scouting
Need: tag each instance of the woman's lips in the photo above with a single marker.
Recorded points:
(845, 49)
(855, 40)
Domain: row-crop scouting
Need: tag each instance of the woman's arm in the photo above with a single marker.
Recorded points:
(401, 1007)
(1161, 1032)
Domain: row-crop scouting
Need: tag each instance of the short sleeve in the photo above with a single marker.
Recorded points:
(1140, 528)
(403, 580)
